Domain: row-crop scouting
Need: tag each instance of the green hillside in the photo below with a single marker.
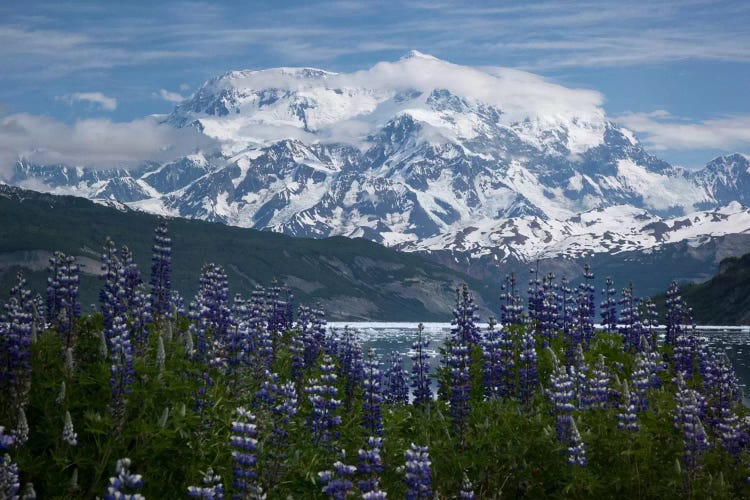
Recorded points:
(723, 299)
(353, 279)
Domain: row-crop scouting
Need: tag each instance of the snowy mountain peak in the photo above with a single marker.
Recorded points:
(423, 154)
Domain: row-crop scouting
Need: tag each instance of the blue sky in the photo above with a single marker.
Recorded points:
(676, 71)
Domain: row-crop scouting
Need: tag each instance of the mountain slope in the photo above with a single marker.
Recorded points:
(423, 155)
(351, 278)
(725, 298)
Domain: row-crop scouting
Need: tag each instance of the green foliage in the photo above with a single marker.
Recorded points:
(510, 450)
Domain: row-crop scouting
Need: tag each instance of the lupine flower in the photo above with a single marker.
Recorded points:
(161, 354)
(547, 314)
(122, 485)
(596, 391)
(460, 386)
(418, 475)
(370, 465)
(396, 388)
(527, 363)
(337, 484)
(420, 379)
(21, 432)
(687, 417)
(161, 273)
(297, 351)
(565, 307)
(627, 418)
(63, 307)
(535, 295)
(608, 307)
(467, 489)
(140, 318)
(372, 396)
(464, 324)
(15, 345)
(630, 319)
(10, 482)
(309, 340)
(131, 275)
(322, 395)
(585, 308)
(6, 440)
(678, 315)
(350, 361)
(122, 372)
(244, 458)
(112, 294)
(494, 368)
(212, 488)
(69, 434)
(576, 450)
(511, 308)
(561, 393)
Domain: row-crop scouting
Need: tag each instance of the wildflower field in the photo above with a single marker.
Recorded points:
(254, 397)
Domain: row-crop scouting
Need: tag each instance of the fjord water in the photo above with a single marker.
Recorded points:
(385, 338)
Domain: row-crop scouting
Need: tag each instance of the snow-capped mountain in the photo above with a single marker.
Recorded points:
(422, 154)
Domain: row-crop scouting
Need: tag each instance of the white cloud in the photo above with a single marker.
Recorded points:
(106, 103)
(661, 130)
(172, 97)
(94, 142)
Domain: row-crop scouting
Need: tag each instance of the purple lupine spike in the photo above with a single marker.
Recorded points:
(15, 345)
(297, 351)
(460, 386)
(131, 275)
(213, 301)
(6, 440)
(596, 391)
(631, 327)
(494, 368)
(576, 450)
(121, 371)
(608, 307)
(687, 419)
(244, 458)
(123, 485)
(561, 393)
(535, 295)
(212, 488)
(396, 381)
(640, 383)
(547, 314)
(650, 321)
(69, 434)
(370, 465)
(467, 489)
(511, 307)
(418, 475)
(627, 418)
(527, 368)
(464, 324)
(161, 273)
(350, 361)
(585, 308)
(10, 483)
(565, 307)
(336, 482)
(112, 294)
(305, 328)
(140, 319)
(372, 396)
(686, 348)
(322, 393)
(420, 379)
(677, 316)
(63, 307)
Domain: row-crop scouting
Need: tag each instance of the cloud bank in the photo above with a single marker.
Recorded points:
(106, 103)
(661, 130)
(97, 143)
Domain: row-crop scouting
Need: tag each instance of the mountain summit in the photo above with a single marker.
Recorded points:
(422, 154)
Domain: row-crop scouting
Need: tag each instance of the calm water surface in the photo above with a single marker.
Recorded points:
(386, 338)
